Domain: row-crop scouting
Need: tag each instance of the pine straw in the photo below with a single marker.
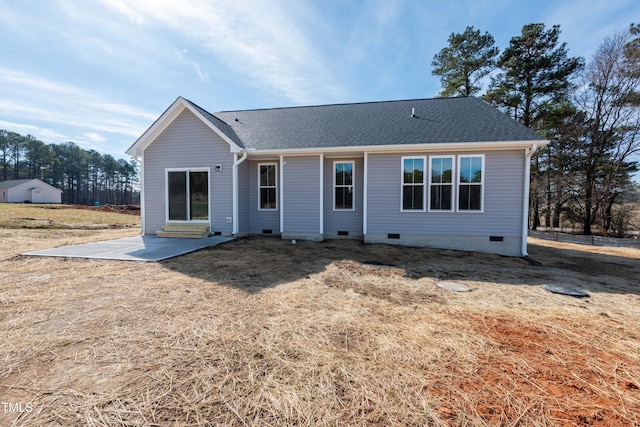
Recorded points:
(260, 332)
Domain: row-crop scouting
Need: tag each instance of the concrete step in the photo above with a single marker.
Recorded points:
(182, 234)
(185, 230)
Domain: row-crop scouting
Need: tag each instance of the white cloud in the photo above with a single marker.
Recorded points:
(45, 134)
(37, 105)
(94, 137)
(93, 36)
(125, 9)
(201, 74)
(87, 140)
(265, 42)
(584, 27)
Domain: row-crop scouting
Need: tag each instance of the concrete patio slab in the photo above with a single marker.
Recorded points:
(139, 248)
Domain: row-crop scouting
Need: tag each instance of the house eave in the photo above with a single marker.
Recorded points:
(404, 148)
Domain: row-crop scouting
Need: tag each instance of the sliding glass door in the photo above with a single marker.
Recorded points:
(188, 195)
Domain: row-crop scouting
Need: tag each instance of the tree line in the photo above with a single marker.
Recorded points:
(588, 110)
(84, 176)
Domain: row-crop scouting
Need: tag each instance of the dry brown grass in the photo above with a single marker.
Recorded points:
(70, 217)
(260, 332)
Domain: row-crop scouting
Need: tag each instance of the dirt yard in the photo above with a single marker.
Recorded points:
(262, 332)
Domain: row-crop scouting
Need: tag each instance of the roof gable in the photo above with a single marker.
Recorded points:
(169, 115)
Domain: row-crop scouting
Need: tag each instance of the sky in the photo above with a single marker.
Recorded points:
(99, 72)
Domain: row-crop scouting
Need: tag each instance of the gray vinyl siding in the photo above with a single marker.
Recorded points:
(263, 219)
(301, 194)
(503, 198)
(341, 220)
(188, 143)
(244, 197)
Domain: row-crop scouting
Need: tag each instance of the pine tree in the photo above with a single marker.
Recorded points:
(463, 64)
(536, 74)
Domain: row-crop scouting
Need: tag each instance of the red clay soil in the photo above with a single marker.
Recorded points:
(549, 375)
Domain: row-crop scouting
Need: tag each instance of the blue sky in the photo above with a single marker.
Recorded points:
(99, 72)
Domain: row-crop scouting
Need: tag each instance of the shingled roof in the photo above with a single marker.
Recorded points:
(218, 123)
(438, 120)
(4, 185)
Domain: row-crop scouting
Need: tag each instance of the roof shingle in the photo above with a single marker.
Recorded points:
(437, 120)
(13, 182)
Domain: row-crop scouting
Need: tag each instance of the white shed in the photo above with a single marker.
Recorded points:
(29, 191)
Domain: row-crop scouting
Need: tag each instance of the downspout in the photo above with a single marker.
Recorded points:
(365, 199)
(140, 161)
(281, 194)
(525, 203)
(236, 163)
(321, 196)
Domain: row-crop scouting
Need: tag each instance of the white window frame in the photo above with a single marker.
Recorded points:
(166, 194)
(353, 185)
(453, 183)
(424, 184)
(260, 186)
(481, 184)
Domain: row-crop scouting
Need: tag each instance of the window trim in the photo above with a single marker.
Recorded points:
(453, 183)
(481, 184)
(166, 194)
(424, 185)
(353, 185)
(260, 186)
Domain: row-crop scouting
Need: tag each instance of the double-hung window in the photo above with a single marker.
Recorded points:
(441, 183)
(413, 185)
(470, 183)
(268, 189)
(343, 186)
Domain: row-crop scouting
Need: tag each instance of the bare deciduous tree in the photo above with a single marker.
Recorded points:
(608, 97)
